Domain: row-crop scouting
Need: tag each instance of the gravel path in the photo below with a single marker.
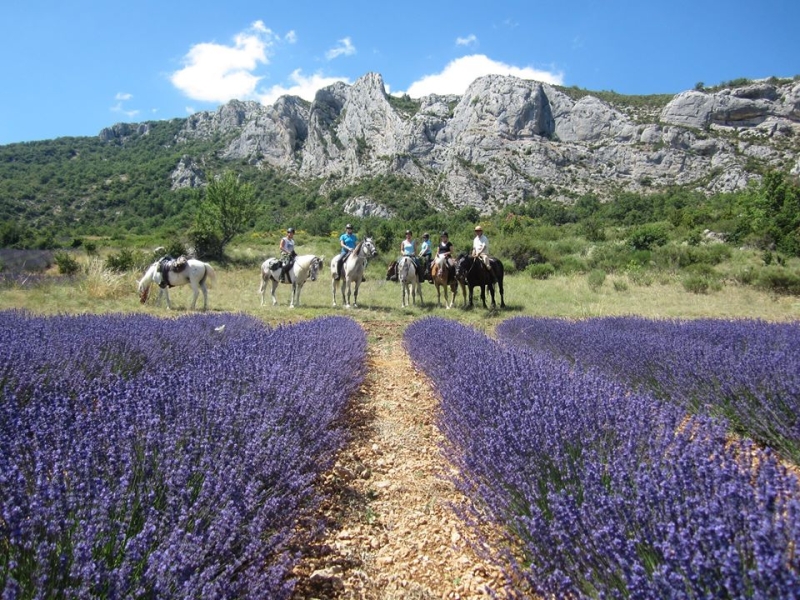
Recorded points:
(391, 527)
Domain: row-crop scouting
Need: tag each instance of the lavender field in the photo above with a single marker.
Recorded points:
(745, 372)
(607, 492)
(145, 457)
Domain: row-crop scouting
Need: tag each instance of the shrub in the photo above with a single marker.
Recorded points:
(596, 278)
(67, 265)
(124, 260)
(648, 236)
(779, 280)
(571, 264)
(540, 271)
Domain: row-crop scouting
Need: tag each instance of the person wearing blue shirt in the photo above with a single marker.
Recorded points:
(425, 251)
(347, 241)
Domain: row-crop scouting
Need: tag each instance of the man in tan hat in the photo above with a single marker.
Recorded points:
(480, 246)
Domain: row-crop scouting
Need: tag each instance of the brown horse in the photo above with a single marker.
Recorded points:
(443, 271)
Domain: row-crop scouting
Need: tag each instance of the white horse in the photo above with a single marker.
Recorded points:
(354, 264)
(409, 281)
(196, 274)
(306, 266)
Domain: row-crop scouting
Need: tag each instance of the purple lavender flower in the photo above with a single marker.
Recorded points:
(608, 492)
(148, 457)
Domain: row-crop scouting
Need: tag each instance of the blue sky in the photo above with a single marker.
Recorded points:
(73, 67)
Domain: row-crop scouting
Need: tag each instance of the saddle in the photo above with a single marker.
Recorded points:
(167, 264)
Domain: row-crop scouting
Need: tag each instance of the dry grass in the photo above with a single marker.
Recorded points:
(236, 290)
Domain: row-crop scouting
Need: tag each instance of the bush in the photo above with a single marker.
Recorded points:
(649, 236)
(571, 264)
(540, 271)
(779, 281)
(67, 265)
(701, 284)
(596, 278)
(124, 260)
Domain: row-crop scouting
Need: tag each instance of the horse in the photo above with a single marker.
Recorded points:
(355, 262)
(410, 280)
(443, 274)
(196, 273)
(471, 272)
(306, 266)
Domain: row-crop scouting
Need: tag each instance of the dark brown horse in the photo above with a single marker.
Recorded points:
(471, 272)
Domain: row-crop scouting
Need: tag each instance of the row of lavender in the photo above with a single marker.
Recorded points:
(142, 457)
(607, 493)
(747, 372)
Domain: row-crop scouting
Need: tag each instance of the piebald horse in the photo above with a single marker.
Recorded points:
(195, 274)
(409, 281)
(354, 264)
(443, 273)
(306, 266)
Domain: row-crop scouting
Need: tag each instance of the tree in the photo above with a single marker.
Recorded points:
(226, 211)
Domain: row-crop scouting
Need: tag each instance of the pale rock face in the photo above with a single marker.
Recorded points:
(506, 140)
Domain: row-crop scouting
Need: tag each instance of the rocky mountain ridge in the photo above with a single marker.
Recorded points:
(506, 140)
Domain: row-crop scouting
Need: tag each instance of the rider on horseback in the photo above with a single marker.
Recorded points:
(425, 254)
(445, 250)
(287, 255)
(407, 249)
(347, 242)
(480, 247)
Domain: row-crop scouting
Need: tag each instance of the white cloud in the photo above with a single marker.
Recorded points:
(343, 48)
(466, 41)
(121, 97)
(218, 73)
(304, 86)
(118, 108)
(460, 73)
(290, 37)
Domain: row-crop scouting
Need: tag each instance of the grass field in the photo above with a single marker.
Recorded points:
(96, 290)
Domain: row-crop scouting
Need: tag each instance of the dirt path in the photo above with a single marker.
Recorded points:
(392, 531)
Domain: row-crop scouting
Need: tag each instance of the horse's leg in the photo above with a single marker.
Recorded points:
(165, 292)
(500, 286)
(491, 291)
(294, 292)
(275, 283)
(483, 295)
(262, 288)
(419, 291)
(333, 289)
(195, 293)
(357, 283)
(204, 289)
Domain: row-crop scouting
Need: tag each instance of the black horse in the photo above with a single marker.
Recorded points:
(471, 272)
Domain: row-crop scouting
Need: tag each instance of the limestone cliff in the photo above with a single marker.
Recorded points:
(507, 140)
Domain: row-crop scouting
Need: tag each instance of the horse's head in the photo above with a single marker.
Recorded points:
(316, 265)
(370, 250)
(463, 265)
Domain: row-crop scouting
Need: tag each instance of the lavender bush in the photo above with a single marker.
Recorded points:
(142, 457)
(745, 371)
(608, 493)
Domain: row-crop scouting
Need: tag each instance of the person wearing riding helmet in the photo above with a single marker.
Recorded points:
(480, 246)
(347, 242)
(407, 248)
(286, 249)
(425, 251)
(445, 249)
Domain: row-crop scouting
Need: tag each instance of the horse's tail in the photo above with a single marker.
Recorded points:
(144, 285)
(209, 274)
